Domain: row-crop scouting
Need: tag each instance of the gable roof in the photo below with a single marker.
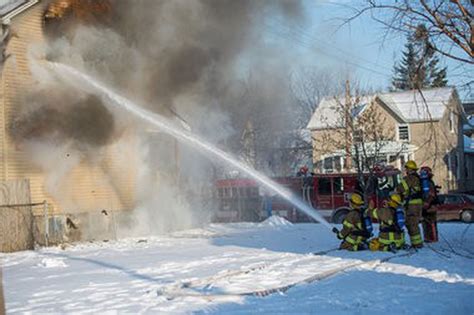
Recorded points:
(11, 8)
(408, 106)
(413, 106)
(327, 114)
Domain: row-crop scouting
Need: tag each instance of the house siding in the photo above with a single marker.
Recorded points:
(107, 183)
(435, 141)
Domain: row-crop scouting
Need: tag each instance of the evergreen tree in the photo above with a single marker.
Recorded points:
(419, 67)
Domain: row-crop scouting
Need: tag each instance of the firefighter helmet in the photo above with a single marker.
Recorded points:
(395, 200)
(411, 165)
(356, 200)
(374, 244)
(427, 170)
(379, 170)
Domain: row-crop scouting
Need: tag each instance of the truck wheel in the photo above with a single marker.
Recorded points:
(339, 217)
(466, 216)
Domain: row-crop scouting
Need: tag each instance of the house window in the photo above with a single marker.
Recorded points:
(403, 133)
(449, 166)
(327, 165)
(451, 121)
(392, 158)
(357, 135)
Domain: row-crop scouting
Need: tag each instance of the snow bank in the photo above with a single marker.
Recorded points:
(275, 221)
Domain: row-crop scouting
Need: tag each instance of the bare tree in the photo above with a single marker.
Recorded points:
(449, 23)
(449, 28)
(308, 87)
(356, 132)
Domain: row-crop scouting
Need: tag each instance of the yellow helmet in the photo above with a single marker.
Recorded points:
(395, 200)
(411, 165)
(374, 244)
(357, 200)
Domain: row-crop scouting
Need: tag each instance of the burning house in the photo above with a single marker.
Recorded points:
(61, 149)
(90, 160)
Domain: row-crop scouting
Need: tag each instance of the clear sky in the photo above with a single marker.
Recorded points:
(358, 48)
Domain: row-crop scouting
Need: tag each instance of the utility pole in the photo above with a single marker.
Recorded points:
(348, 126)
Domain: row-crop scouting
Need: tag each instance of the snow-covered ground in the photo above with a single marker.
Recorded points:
(226, 268)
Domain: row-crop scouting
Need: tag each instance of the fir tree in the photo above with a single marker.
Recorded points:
(419, 67)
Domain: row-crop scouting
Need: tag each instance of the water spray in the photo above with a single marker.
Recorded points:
(185, 136)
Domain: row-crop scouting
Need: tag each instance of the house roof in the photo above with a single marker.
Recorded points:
(328, 113)
(11, 8)
(413, 106)
(408, 106)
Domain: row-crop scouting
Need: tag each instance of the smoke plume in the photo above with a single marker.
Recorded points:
(208, 64)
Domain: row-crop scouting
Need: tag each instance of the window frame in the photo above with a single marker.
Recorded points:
(451, 121)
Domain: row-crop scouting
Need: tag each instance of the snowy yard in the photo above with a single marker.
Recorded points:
(218, 269)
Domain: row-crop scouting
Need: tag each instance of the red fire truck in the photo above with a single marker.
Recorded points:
(243, 200)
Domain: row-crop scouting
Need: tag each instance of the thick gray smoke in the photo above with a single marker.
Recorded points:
(65, 117)
(207, 63)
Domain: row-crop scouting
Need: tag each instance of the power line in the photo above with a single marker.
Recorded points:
(305, 44)
(303, 32)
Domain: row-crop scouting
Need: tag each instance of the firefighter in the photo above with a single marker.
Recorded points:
(355, 231)
(410, 189)
(430, 198)
(392, 221)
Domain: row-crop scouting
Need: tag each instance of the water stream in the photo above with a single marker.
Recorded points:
(187, 137)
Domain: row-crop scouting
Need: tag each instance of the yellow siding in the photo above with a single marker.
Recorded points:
(107, 184)
(16, 78)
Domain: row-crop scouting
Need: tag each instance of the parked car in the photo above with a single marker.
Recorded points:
(456, 207)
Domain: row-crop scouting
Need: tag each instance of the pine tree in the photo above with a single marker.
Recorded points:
(419, 67)
(404, 73)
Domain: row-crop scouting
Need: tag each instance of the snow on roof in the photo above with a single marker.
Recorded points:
(328, 113)
(7, 6)
(387, 147)
(414, 106)
(409, 106)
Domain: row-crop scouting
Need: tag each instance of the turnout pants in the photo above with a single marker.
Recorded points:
(413, 216)
(430, 227)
